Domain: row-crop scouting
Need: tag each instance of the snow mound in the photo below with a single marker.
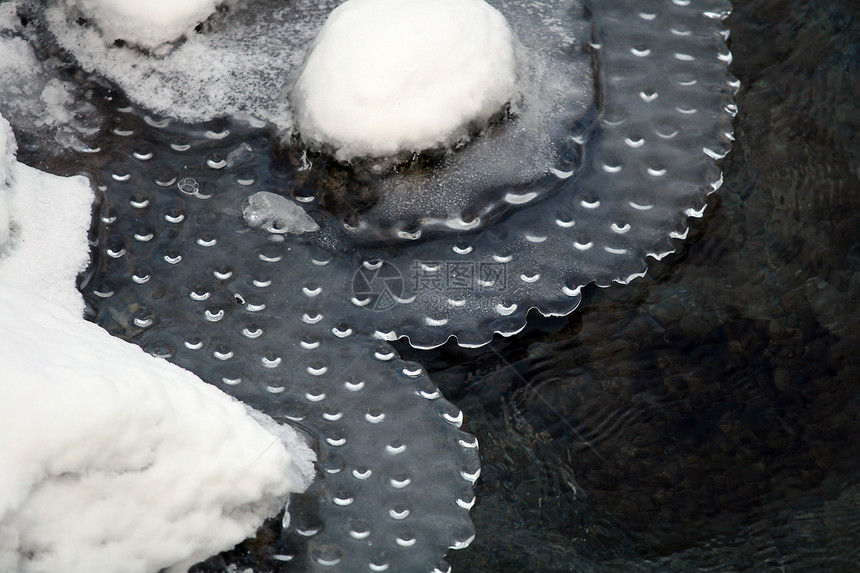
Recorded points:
(113, 460)
(146, 24)
(120, 461)
(385, 76)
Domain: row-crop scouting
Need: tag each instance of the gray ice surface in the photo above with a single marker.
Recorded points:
(180, 273)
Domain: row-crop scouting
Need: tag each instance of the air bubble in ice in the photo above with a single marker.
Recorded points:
(276, 214)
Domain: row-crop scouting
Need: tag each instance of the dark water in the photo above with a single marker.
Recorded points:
(707, 417)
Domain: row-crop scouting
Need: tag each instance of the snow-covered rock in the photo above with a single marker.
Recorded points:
(385, 76)
(148, 23)
(111, 459)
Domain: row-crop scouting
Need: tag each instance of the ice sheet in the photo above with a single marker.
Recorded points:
(146, 24)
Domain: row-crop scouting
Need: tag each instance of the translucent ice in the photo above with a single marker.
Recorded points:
(254, 314)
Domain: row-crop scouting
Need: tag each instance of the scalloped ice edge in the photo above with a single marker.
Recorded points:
(464, 339)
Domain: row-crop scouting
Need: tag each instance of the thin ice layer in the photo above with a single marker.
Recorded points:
(179, 272)
(649, 163)
(665, 119)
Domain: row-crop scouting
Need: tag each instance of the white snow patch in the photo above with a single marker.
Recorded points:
(49, 218)
(148, 23)
(112, 460)
(7, 160)
(8, 14)
(385, 76)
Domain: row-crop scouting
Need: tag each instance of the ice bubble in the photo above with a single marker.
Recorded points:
(386, 76)
(147, 24)
(276, 214)
(241, 65)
